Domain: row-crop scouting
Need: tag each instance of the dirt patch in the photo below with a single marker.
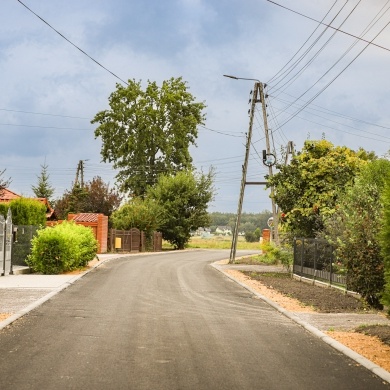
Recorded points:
(4, 316)
(273, 294)
(322, 299)
(370, 347)
(372, 342)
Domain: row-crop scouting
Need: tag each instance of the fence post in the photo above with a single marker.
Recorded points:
(294, 252)
(331, 268)
(302, 254)
(315, 260)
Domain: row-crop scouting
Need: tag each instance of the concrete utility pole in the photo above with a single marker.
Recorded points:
(244, 171)
(80, 172)
(270, 173)
(257, 96)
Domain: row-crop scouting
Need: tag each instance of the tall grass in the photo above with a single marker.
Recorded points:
(217, 242)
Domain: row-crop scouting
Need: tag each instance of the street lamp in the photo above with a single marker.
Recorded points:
(258, 87)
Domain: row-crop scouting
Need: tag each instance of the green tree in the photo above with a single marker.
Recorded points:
(73, 201)
(355, 230)
(148, 133)
(184, 198)
(384, 239)
(43, 189)
(306, 190)
(143, 214)
(95, 197)
(101, 198)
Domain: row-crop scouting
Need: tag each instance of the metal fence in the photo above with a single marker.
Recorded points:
(314, 259)
(21, 246)
(6, 238)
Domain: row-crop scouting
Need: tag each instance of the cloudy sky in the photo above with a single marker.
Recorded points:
(320, 80)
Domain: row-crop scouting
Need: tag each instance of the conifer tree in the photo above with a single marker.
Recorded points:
(43, 188)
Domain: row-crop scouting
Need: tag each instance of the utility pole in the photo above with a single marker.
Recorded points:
(255, 95)
(80, 172)
(258, 96)
(270, 174)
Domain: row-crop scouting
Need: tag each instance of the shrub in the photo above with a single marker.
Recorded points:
(250, 237)
(273, 254)
(64, 247)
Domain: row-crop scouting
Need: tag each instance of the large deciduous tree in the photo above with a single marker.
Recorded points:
(306, 190)
(148, 132)
(184, 198)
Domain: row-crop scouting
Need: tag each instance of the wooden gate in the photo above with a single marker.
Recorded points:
(126, 240)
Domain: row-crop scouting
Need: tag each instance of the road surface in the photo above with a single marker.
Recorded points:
(167, 321)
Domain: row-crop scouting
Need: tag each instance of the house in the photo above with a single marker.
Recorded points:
(223, 230)
(7, 196)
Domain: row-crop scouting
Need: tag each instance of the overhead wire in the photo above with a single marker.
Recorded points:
(302, 46)
(364, 32)
(334, 28)
(311, 60)
(332, 80)
(74, 45)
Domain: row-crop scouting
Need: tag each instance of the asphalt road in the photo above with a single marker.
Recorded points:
(167, 321)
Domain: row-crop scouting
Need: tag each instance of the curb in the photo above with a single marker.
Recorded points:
(379, 371)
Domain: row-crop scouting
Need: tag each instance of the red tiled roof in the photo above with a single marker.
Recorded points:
(85, 217)
(7, 195)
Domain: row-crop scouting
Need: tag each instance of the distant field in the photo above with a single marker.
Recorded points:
(218, 242)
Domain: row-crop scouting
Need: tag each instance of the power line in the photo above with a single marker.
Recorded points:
(331, 81)
(307, 51)
(302, 46)
(334, 28)
(364, 32)
(74, 45)
(40, 113)
(221, 132)
(44, 127)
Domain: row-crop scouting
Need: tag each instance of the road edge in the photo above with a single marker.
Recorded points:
(374, 368)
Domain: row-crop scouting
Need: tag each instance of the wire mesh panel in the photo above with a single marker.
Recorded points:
(313, 258)
(21, 247)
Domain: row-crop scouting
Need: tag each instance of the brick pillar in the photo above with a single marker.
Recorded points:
(102, 233)
(266, 235)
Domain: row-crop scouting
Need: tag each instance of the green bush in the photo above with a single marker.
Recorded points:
(273, 254)
(64, 247)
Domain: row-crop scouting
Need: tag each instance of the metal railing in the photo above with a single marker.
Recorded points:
(314, 259)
